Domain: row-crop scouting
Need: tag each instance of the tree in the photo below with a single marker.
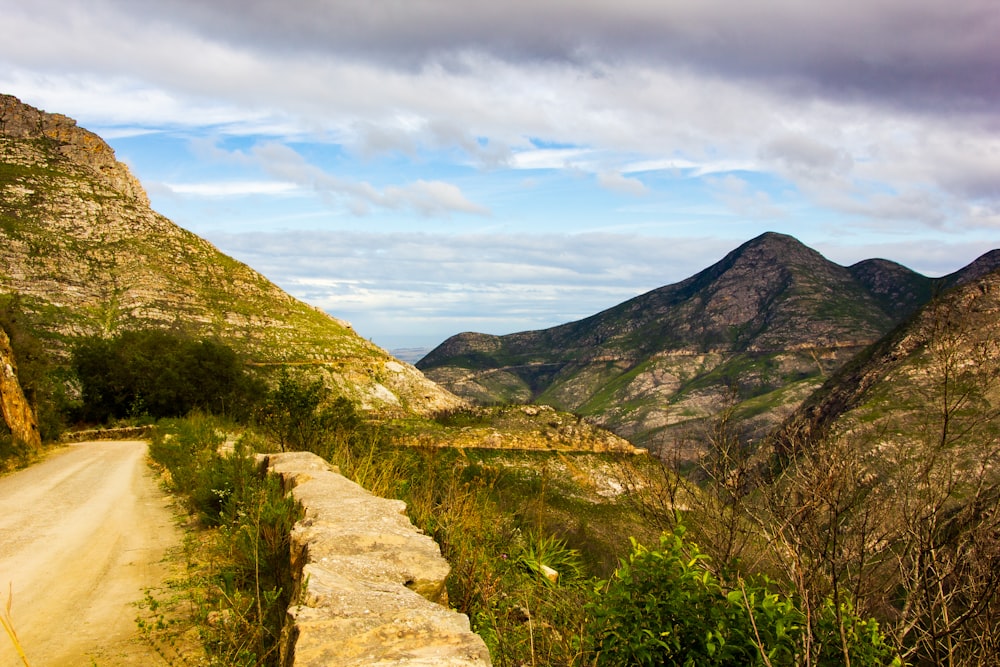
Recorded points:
(899, 507)
(949, 506)
(714, 497)
(157, 373)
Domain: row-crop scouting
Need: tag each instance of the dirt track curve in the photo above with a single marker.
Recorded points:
(82, 535)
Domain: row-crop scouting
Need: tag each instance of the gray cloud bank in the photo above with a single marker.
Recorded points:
(866, 106)
(942, 56)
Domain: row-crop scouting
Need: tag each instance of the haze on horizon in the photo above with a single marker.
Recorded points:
(429, 167)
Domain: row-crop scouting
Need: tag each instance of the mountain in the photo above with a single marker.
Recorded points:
(82, 253)
(758, 331)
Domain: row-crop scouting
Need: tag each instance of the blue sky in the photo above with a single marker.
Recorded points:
(428, 167)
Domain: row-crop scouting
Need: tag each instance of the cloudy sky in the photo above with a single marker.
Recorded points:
(424, 167)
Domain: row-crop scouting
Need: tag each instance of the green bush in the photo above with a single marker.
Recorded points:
(665, 607)
(184, 447)
(298, 415)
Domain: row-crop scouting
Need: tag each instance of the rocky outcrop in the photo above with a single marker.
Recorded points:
(83, 147)
(17, 412)
(520, 427)
(370, 586)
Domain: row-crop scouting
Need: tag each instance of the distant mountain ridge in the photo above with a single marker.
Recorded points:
(762, 327)
(83, 253)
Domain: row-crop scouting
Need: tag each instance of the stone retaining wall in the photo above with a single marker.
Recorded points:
(370, 586)
(122, 433)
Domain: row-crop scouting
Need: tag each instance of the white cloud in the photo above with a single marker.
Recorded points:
(740, 196)
(293, 171)
(550, 158)
(690, 167)
(618, 182)
(232, 188)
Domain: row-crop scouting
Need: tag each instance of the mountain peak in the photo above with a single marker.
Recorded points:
(982, 266)
(19, 121)
(780, 248)
(775, 238)
(768, 321)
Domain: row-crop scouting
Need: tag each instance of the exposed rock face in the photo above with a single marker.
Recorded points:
(371, 586)
(19, 121)
(17, 413)
(522, 427)
(88, 256)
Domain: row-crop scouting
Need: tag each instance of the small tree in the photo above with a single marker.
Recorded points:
(299, 415)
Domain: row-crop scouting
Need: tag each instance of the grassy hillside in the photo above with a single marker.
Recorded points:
(82, 254)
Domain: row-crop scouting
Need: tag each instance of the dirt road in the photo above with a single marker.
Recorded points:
(82, 535)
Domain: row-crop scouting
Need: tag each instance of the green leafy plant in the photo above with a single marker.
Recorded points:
(549, 551)
(665, 607)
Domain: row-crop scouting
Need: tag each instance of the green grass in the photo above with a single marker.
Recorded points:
(238, 580)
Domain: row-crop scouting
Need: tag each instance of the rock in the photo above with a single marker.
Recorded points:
(17, 413)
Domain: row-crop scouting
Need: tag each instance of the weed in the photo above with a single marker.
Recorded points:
(8, 626)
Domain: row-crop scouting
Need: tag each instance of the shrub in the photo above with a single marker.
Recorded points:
(184, 447)
(298, 415)
(665, 607)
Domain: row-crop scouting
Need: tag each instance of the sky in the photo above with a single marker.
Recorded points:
(421, 168)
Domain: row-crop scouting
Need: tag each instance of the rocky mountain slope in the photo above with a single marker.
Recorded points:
(83, 254)
(938, 371)
(759, 330)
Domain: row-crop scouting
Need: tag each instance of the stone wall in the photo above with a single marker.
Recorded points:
(369, 585)
(120, 433)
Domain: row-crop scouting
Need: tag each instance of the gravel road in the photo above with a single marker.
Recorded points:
(82, 535)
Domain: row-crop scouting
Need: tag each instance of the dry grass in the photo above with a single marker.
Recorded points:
(8, 626)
